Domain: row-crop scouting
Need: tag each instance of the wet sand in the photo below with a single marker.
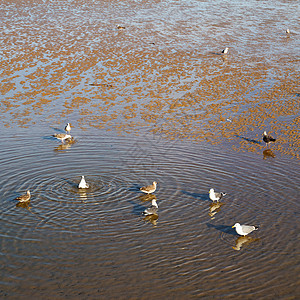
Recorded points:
(155, 101)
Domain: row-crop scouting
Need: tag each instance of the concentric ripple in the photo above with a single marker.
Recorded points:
(188, 230)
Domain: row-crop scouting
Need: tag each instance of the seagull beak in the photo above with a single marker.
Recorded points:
(232, 226)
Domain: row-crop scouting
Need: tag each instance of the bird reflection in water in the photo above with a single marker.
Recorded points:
(147, 197)
(214, 208)
(83, 196)
(243, 241)
(25, 205)
(67, 145)
(151, 219)
(225, 59)
(268, 153)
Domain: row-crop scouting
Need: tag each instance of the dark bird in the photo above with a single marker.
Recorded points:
(24, 198)
(267, 138)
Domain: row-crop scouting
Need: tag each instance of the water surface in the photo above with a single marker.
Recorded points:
(156, 101)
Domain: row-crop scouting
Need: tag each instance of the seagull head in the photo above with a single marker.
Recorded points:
(28, 193)
(211, 191)
(236, 225)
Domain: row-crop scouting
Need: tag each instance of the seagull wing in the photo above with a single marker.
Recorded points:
(248, 229)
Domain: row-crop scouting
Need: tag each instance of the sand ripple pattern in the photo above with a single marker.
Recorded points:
(187, 117)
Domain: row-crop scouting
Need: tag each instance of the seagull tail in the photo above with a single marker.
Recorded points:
(256, 227)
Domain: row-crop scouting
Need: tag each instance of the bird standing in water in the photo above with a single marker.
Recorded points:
(149, 189)
(68, 128)
(267, 138)
(215, 196)
(244, 229)
(225, 51)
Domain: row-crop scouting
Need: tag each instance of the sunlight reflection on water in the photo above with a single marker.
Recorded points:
(148, 103)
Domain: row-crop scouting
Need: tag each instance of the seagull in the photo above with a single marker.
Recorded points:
(68, 127)
(215, 196)
(83, 184)
(62, 136)
(120, 27)
(149, 189)
(288, 31)
(151, 210)
(244, 229)
(225, 51)
(24, 198)
(267, 138)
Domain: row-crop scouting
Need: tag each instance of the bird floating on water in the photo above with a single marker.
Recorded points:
(287, 31)
(83, 184)
(216, 196)
(225, 51)
(120, 27)
(68, 127)
(62, 136)
(267, 138)
(24, 198)
(244, 229)
(151, 210)
(149, 189)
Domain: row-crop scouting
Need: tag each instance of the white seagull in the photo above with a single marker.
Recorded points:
(83, 184)
(24, 198)
(244, 229)
(225, 51)
(150, 188)
(215, 196)
(68, 127)
(151, 210)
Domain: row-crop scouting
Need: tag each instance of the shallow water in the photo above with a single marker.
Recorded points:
(158, 102)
